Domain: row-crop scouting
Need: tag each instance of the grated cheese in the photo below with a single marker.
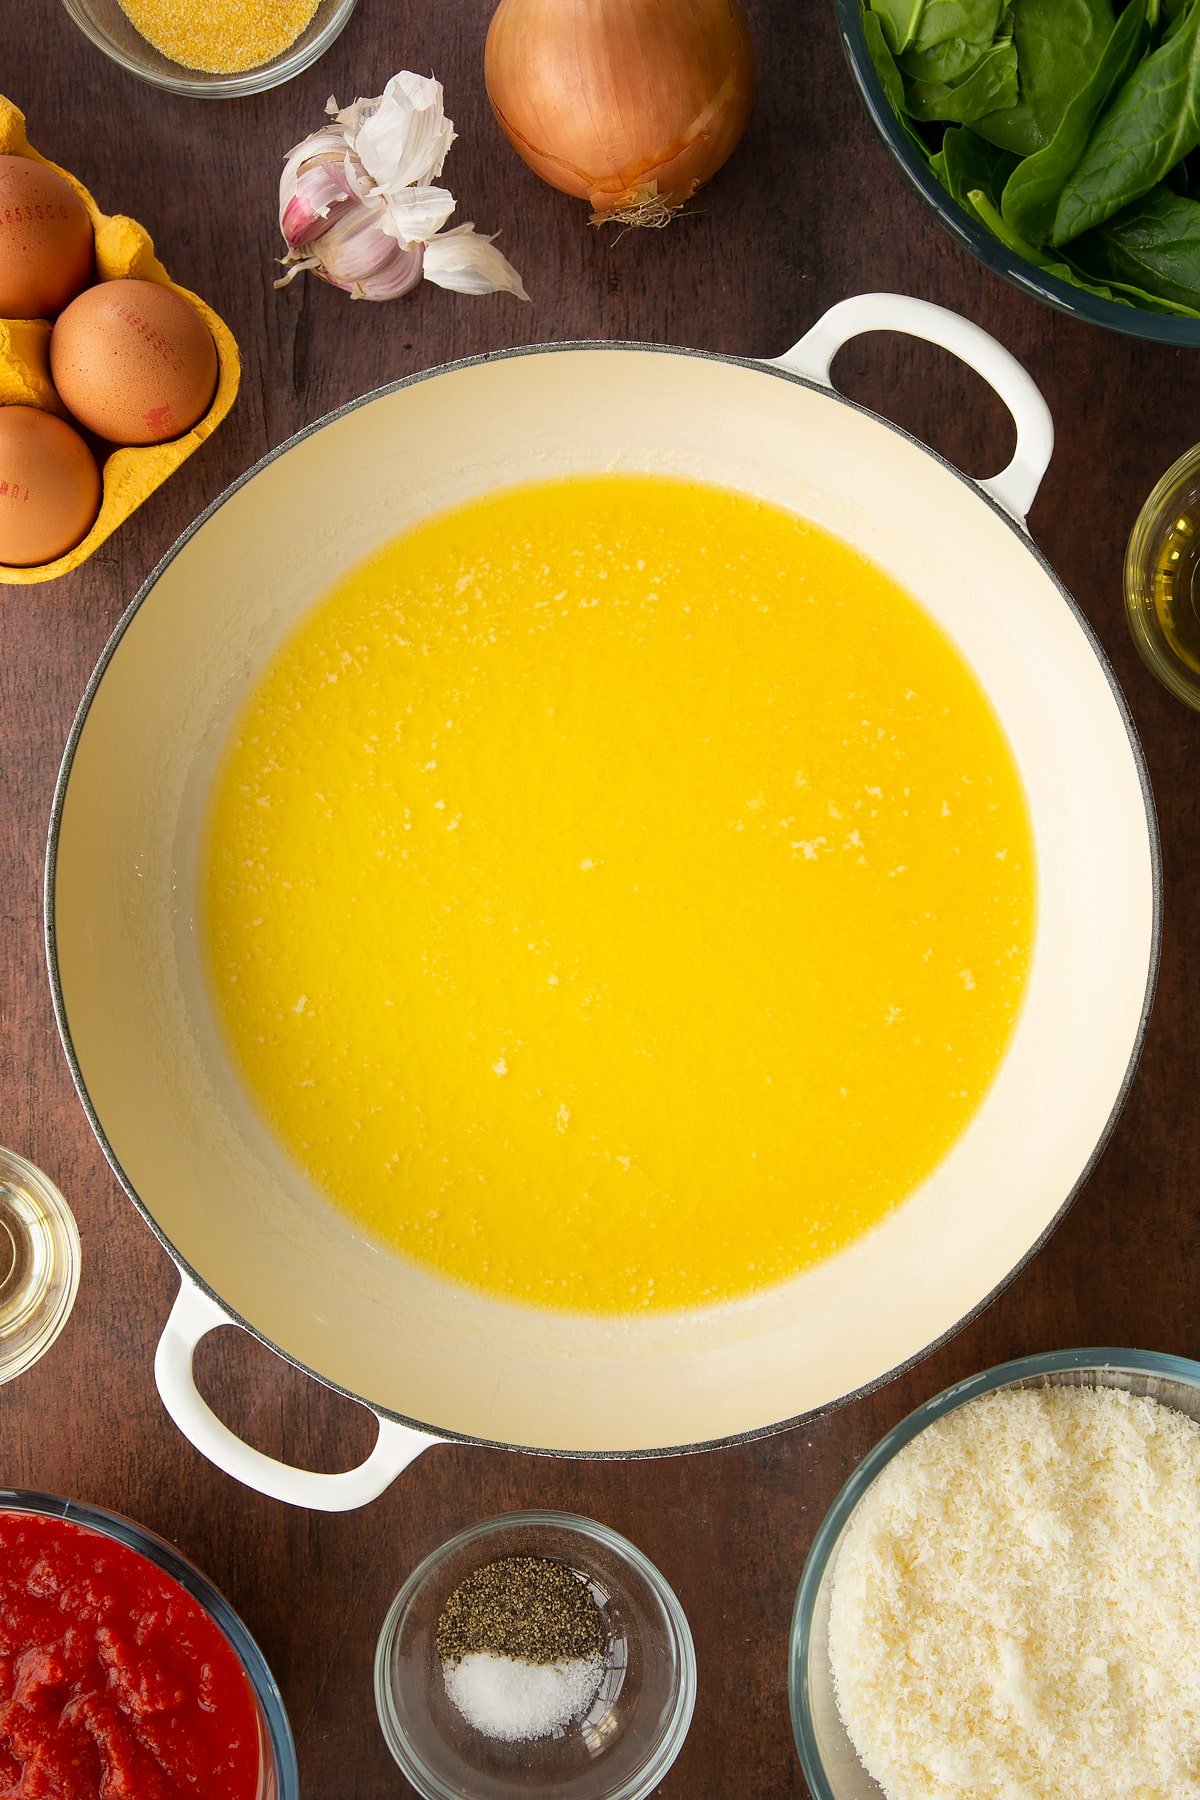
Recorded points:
(1015, 1607)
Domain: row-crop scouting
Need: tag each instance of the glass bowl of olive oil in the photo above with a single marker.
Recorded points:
(39, 1264)
(1162, 579)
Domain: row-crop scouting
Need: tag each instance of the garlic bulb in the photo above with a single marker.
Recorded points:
(357, 204)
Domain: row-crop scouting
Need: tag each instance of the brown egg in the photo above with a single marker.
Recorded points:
(49, 487)
(46, 240)
(134, 362)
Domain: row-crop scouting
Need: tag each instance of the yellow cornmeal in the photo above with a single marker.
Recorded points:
(618, 894)
(220, 37)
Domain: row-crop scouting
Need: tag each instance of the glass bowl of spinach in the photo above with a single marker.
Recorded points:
(1058, 140)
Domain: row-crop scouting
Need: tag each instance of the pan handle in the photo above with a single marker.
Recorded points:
(193, 1316)
(1013, 488)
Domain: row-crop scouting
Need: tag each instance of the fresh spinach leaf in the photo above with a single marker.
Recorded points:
(991, 83)
(948, 61)
(1058, 43)
(952, 38)
(1151, 125)
(988, 214)
(884, 64)
(920, 25)
(1031, 197)
(1129, 295)
(965, 162)
(1064, 268)
(1153, 245)
(900, 21)
(976, 20)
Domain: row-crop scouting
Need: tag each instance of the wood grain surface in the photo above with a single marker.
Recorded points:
(809, 210)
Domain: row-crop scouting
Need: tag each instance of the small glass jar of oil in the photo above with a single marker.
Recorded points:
(39, 1264)
(1162, 579)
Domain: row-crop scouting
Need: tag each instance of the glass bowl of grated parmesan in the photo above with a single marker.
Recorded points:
(215, 49)
(1002, 1600)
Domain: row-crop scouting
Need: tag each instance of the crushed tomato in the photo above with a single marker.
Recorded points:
(114, 1683)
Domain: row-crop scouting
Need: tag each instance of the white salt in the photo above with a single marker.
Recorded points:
(508, 1698)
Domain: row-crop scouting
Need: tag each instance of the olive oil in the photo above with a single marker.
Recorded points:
(1162, 579)
(39, 1264)
(1176, 589)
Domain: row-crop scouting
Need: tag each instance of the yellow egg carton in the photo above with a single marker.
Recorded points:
(123, 248)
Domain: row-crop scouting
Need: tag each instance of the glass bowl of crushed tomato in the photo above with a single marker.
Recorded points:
(124, 1674)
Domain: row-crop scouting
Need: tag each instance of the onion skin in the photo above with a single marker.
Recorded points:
(629, 104)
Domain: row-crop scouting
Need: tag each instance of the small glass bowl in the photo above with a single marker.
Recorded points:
(279, 1776)
(39, 1264)
(620, 1750)
(108, 27)
(828, 1758)
(1165, 533)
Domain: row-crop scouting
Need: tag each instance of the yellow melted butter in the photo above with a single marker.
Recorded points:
(618, 893)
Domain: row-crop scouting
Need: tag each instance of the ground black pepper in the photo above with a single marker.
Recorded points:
(523, 1606)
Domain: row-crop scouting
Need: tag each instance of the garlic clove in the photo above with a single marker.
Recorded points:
(399, 275)
(362, 262)
(468, 262)
(354, 248)
(413, 215)
(404, 140)
(311, 196)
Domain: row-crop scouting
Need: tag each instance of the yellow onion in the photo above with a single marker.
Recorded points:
(630, 104)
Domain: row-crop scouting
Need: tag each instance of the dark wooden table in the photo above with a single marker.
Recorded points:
(809, 210)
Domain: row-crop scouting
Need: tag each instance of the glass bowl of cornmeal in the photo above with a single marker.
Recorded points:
(217, 49)
(535, 1651)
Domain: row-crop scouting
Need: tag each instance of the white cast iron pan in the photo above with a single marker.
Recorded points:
(254, 1244)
